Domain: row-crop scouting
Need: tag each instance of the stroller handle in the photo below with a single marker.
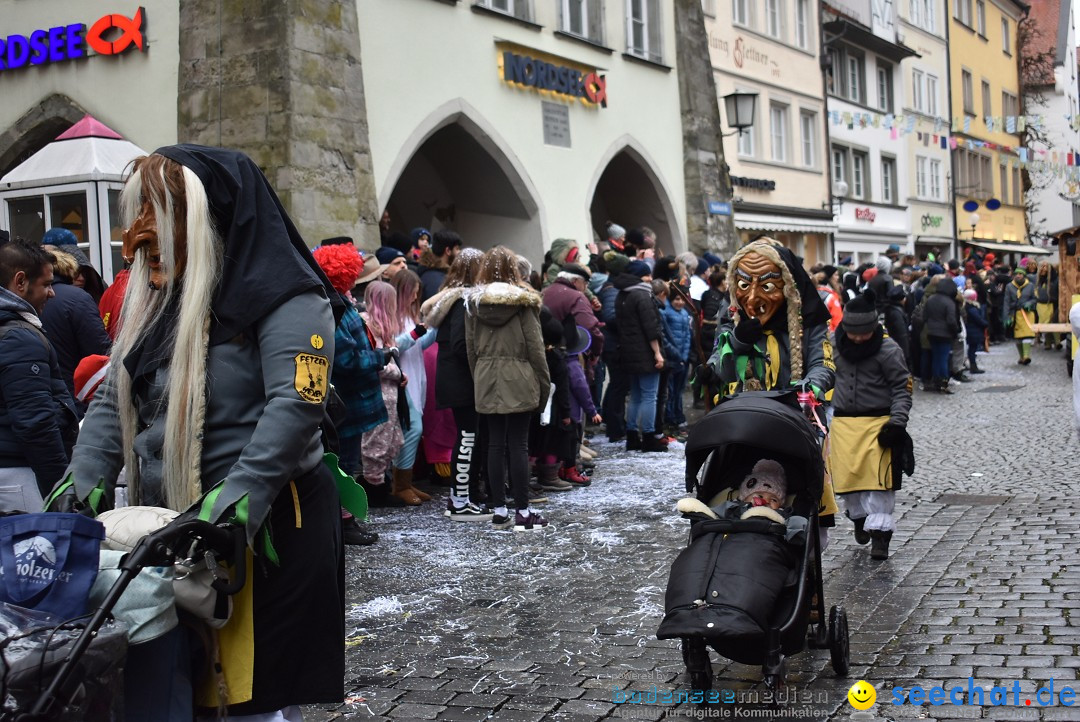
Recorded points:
(156, 549)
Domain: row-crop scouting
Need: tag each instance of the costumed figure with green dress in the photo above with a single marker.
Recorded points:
(1019, 313)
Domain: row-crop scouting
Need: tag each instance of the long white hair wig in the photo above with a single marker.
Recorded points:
(174, 192)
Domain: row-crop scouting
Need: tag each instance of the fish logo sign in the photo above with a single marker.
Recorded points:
(130, 28)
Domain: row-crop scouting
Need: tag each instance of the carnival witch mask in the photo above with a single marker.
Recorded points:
(162, 187)
(759, 287)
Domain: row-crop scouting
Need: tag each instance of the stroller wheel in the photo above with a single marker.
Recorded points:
(839, 649)
(698, 665)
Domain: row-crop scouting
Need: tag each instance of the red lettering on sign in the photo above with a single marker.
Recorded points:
(596, 88)
(131, 29)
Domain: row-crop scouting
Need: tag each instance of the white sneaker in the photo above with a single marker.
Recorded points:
(469, 512)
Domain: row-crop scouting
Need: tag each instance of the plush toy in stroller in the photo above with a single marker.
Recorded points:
(751, 575)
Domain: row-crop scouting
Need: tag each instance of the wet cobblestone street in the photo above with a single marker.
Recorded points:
(459, 622)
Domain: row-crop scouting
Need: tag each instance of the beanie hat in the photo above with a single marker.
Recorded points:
(869, 273)
(767, 475)
(575, 270)
(615, 262)
(59, 237)
(88, 376)
(415, 234)
(1020, 270)
(444, 240)
(702, 267)
(970, 294)
(829, 272)
(893, 248)
(341, 263)
(860, 313)
(639, 269)
(386, 254)
(615, 231)
(713, 259)
(883, 264)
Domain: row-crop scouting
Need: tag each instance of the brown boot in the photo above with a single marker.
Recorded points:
(402, 487)
(408, 475)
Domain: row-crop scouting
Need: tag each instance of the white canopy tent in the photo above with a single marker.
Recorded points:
(74, 183)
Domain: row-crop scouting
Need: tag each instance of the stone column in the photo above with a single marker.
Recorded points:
(281, 80)
(705, 172)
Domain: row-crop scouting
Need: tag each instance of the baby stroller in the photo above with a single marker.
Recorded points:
(68, 671)
(757, 610)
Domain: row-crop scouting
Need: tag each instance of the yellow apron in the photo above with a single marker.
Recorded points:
(857, 462)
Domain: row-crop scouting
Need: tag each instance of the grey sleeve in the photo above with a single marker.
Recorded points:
(295, 380)
(99, 452)
(895, 371)
(819, 368)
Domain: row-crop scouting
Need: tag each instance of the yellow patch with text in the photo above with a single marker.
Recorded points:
(910, 386)
(826, 350)
(312, 376)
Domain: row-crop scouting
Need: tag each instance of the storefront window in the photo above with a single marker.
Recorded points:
(27, 218)
(116, 229)
(68, 210)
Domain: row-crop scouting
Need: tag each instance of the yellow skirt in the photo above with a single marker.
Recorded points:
(1045, 312)
(857, 462)
(1022, 324)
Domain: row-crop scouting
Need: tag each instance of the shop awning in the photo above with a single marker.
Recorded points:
(789, 224)
(1010, 247)
(88, 151)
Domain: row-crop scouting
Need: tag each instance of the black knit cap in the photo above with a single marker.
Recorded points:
(860, 313)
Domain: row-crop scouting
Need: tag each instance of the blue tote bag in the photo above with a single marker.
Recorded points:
(49, 561)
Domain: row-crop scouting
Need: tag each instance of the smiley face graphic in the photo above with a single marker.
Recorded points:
(862, 695)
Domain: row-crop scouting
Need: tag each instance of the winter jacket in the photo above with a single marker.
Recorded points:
(976, 323)
(355, 375)
(874, 386)
(74, 328)
(506, 349)
(111, 302)
(832, 303)
(580, 396)
(638, 323)
(895, 322)
(1018, 298)
(565, 301)
(453, 380)
(726, 361)
(38, 423)
(432, 271)
(607, 295)
(941, 319)
(677, 326)
(713, 305)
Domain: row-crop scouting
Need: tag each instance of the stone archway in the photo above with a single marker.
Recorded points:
(630, 192)
(38, 127)
(456, 173)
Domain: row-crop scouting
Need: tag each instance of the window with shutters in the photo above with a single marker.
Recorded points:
(584, 18)
(643, 32)
(987, 102)
(519, 9)
(808, 131)
(967, 85)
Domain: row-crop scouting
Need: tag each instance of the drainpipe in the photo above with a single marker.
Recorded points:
(953, 248)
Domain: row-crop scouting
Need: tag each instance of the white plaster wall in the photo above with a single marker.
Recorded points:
(133, 93)
(423, 57)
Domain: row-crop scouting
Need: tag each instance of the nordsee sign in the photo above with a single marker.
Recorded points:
(588, 86)
(110, 35)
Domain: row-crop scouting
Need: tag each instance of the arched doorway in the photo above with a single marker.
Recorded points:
(38, 127)
(631, 194)
(459, 178)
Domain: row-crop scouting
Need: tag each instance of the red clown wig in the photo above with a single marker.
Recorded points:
(342, 264)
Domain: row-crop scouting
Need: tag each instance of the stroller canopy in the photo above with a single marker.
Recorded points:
(747, 427)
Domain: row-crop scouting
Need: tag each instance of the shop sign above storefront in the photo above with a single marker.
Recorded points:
(552, 77)
(111, 34)
(929, 221)
(759, 184)
(865, 214)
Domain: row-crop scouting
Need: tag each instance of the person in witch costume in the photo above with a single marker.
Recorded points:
(776, 333)
(868, 440)
(1019, 313)
(214, 406)
(774, 336)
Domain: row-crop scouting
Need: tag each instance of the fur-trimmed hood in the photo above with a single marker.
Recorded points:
(434, 310)
(495, 304)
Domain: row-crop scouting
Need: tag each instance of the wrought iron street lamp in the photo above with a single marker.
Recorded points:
(739, 109)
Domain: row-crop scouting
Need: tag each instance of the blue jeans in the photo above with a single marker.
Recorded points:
(406, 458)
(641, 411)
(673, 414)
(940, 349)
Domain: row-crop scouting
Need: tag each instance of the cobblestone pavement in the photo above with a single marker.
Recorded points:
(459, 622)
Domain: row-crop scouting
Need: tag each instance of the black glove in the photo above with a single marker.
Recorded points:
(891, 435)
(419, 330)
(704, 375)
(749, 331)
